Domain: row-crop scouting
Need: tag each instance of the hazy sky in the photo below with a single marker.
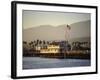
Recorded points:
(37, 18)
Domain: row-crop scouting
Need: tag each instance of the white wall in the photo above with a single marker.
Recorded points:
(5, 37)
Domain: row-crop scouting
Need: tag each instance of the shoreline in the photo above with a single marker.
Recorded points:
(59, 55)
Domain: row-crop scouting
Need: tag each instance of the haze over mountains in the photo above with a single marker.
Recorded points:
(78, 31)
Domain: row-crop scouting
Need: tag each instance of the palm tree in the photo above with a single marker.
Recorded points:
(30, 44)
(37, 41)
(47, 42)
(40, 42)
(24, 42)
(44, 42)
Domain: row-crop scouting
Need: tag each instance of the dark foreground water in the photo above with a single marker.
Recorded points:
(37, 62)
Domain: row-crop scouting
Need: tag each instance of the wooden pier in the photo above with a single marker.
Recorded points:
(68, 54)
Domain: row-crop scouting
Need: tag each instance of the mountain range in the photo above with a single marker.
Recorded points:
(78, 31)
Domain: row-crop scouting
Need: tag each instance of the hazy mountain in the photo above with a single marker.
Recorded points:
(78, 30)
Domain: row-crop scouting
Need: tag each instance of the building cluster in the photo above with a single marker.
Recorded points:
(39, 46)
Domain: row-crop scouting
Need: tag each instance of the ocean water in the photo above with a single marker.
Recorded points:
(38, 63)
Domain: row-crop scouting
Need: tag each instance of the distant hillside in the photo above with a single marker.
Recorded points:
(45, 32)
(48, 32)
(80, 29)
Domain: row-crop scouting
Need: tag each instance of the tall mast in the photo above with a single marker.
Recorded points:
(67, 35)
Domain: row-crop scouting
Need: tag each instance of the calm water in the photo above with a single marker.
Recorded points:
(37, 62)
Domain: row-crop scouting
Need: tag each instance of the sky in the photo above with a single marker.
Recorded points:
(31, 18)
